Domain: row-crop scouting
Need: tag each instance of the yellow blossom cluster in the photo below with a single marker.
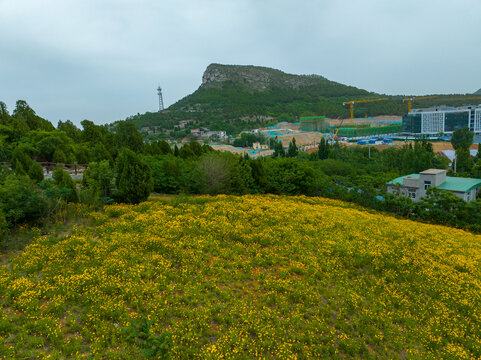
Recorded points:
(246, 277)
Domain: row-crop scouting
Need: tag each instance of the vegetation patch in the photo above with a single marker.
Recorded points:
(244, 277)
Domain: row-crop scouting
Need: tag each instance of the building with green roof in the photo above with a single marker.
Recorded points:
(414, 186)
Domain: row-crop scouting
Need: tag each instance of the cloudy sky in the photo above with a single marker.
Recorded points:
(102, 60)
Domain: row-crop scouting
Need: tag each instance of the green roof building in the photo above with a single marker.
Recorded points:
(414, 186)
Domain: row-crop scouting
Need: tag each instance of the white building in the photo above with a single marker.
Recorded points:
(414, 186)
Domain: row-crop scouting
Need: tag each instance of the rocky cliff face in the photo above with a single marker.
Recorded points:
(256, 77)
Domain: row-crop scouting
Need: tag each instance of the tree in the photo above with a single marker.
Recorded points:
(25, 113)
(160, 147)
(21, 200)
(292, 151)
(418, 158)
(20, 159)
(3, 225)
(134, 179)
(462, 138)
(247, 139)
(64, 182)
(259, 175)
(168, 173)
(225, 173)
(127, 136)
(324, 148)
(272, 143)
(476, 169)
(164, 147)
(23, 164)
(98, 182)
(81, 152)
(44, 144)
(289, 176)
(191, 150)
(99, 152)
(59, 156)
(4, 115)
(464, 163)
(279, 150)
(35, 172)
(70, 129)
(91, 133)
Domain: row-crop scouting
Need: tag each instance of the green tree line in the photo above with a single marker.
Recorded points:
(122, 168)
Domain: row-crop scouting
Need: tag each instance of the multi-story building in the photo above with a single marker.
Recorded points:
(414, 186)
(442, 120)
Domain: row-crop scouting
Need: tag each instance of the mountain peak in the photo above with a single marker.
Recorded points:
(255, 77)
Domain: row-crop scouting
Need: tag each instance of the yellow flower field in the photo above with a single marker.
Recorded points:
(245, 277)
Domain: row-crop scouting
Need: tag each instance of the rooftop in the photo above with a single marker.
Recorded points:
(444, 108)
(433, 171)
(452, 183)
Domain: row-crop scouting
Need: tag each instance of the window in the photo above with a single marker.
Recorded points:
(412, 193)
(477, 120)
(427, 184)
(432, 122)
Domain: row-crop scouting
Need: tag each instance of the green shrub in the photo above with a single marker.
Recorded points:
(98, 183)
(21, 200)
(152, 345)
(3, 225)
(65, 183)
(225, 173)
(134, 180)
(35, 172)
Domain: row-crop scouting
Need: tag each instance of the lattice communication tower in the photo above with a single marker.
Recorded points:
(161, 101)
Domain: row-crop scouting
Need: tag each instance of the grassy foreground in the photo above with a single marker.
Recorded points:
(244, 277)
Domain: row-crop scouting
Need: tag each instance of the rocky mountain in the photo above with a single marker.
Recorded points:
(254, 89)
(259, 78)
(239, 97)
(477, 92)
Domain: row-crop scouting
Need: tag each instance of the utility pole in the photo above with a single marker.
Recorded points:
(161, 101)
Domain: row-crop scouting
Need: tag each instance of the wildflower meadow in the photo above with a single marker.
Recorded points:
(244, 277)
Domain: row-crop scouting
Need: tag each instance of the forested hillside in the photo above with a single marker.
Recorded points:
(235, 98)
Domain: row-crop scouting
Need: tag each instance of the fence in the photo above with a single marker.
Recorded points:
(72, 169)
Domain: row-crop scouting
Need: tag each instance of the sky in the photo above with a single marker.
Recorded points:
(103, 60)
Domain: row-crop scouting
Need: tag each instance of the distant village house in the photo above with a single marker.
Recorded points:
(415, 186)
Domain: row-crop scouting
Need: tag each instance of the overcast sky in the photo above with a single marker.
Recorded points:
(102, 60)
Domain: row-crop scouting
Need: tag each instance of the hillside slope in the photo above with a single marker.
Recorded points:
(239, 97)
(235, 98)
(245, 277)
(248, 90)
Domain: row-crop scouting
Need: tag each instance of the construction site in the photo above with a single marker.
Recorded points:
(381, 131)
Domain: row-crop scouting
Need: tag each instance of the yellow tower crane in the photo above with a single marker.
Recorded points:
(352, 102)
(411, 99)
